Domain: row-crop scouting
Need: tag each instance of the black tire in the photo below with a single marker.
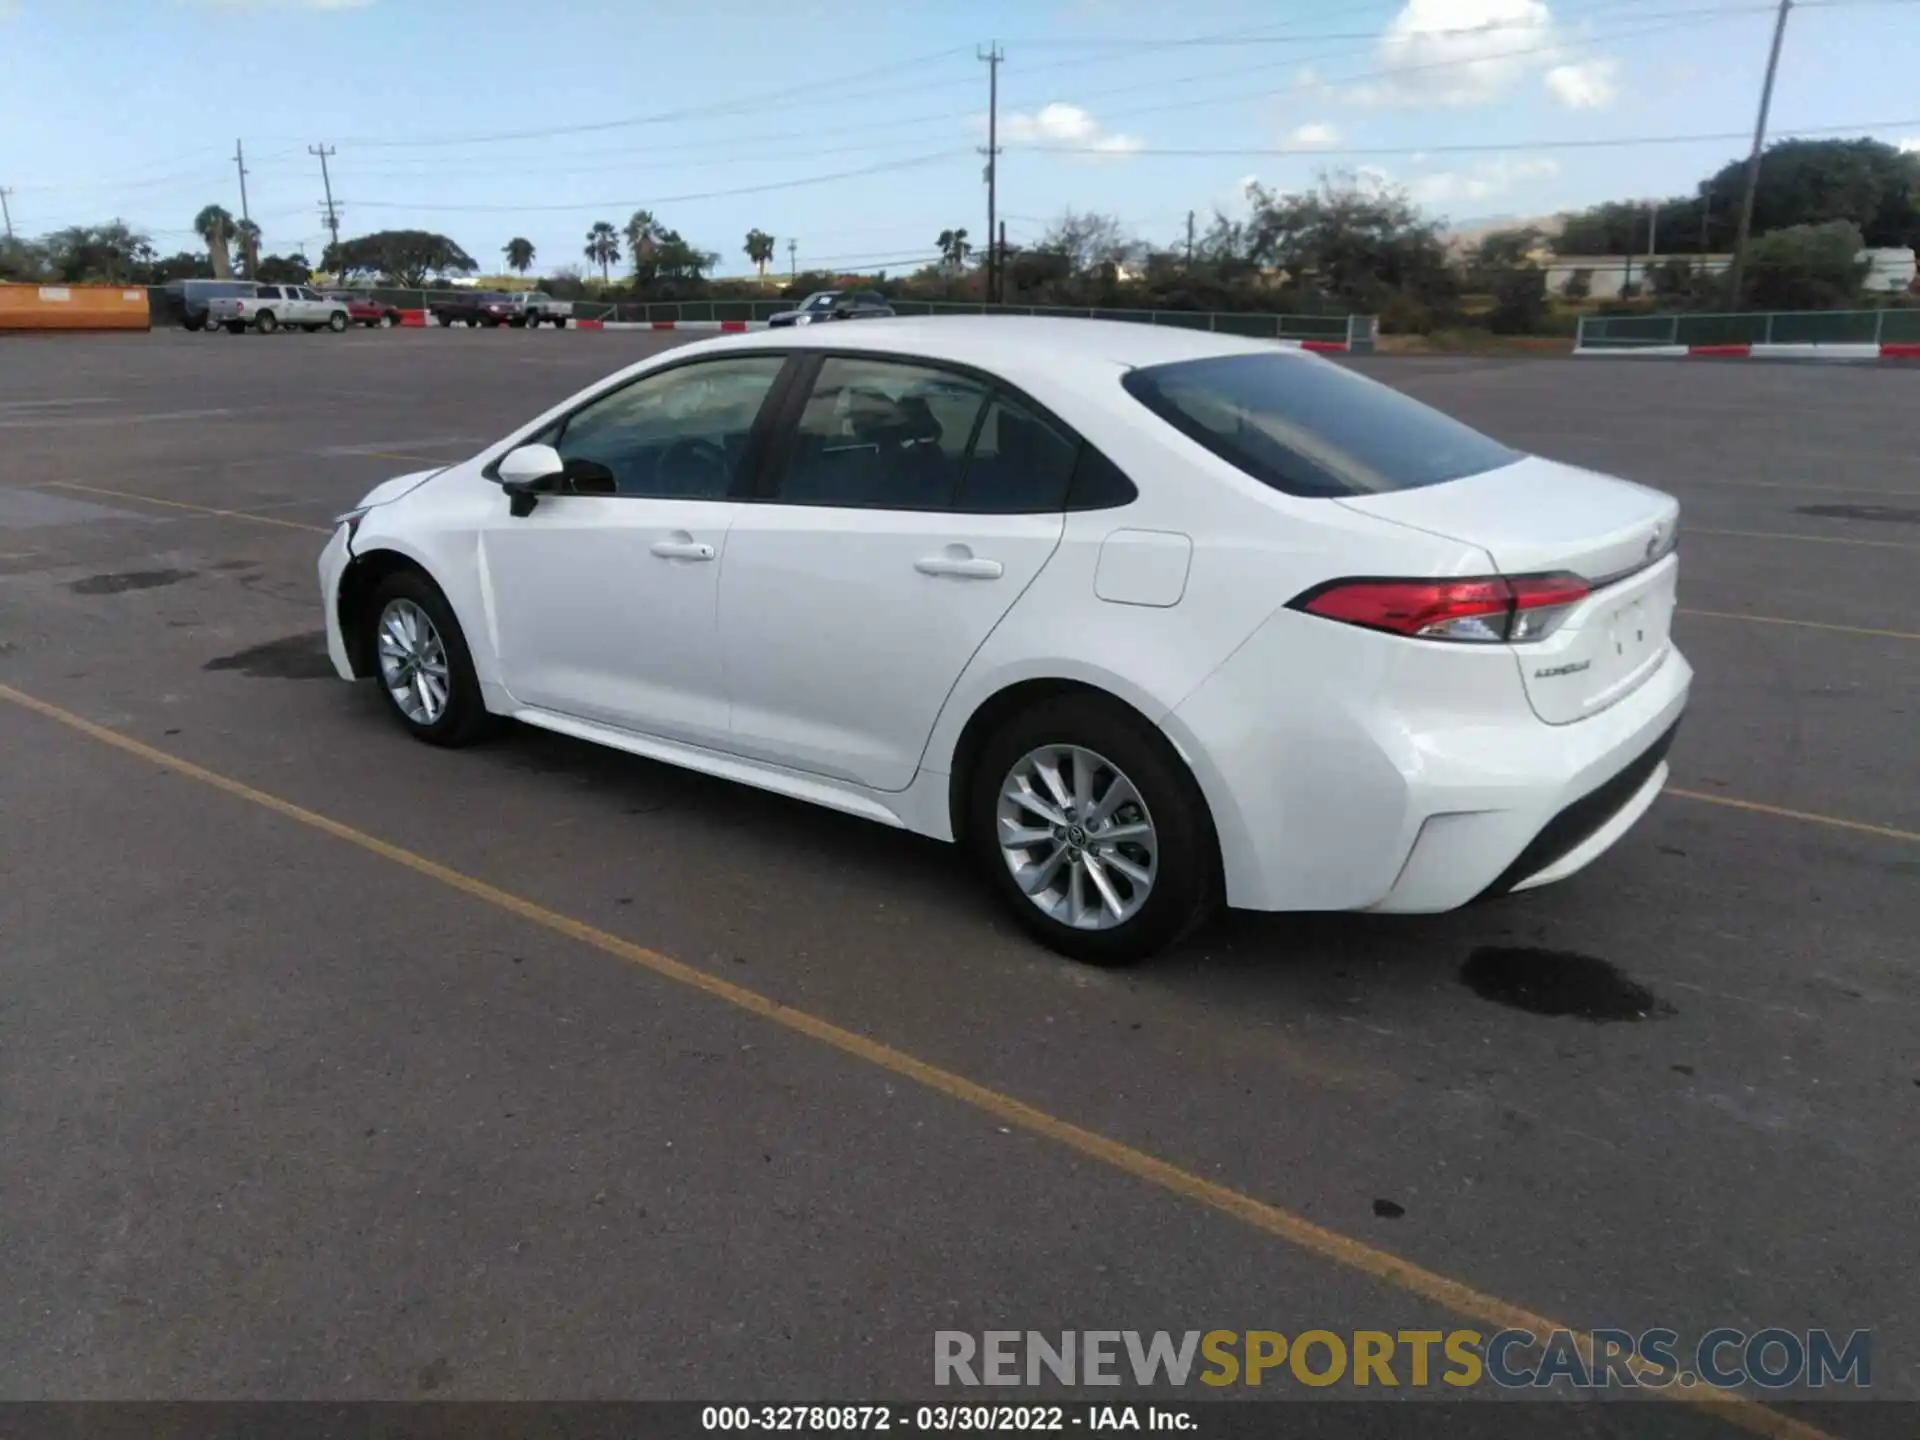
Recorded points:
(385, 322)
(236, 327)
(1185, 883)
(465, 719)
(337, 322)
(266, 322)
(444, 319)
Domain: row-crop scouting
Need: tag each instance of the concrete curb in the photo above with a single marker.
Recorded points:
(1885, 351)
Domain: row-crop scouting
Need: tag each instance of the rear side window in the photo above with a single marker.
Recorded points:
(878, 433)
(1020, 464)
(1312, 428)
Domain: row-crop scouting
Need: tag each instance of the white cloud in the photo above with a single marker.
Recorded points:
(1317, 135)
(1481, 181)
(1911, 145)
(1473, 52)
(1587, 85)
(1067, 127)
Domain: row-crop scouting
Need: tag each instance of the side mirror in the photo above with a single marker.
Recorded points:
(528, 473)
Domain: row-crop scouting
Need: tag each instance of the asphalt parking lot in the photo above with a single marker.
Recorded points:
(334, 1066)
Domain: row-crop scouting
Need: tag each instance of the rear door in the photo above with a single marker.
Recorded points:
(905, 513)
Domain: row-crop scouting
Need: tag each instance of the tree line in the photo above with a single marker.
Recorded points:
(1346, 244)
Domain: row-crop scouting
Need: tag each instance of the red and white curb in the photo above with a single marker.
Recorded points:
(729, 326)
(1904, 350)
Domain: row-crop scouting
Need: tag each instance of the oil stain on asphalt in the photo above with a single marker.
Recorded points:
(1559, 983)
(294, 657)
(129, 580)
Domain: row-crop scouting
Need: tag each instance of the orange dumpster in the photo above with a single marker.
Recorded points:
(73, 307)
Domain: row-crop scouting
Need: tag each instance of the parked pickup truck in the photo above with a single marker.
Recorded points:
(537, 308)
(267, 308)
(490, 308)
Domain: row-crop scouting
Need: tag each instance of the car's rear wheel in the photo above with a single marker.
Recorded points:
(422, 663)
(265, 322)
(337, 322)
(1092, 830)
(236, 327)
(445, 320)
(385, 322)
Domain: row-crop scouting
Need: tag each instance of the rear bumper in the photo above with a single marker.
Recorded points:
(1352, 771)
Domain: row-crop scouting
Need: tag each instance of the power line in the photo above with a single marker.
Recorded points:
(667, 199)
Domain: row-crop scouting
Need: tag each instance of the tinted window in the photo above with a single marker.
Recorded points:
(679, 434)
(1098, 483)
(266, 292)
(821, 301)
(1020, 463)
(1313, 428)
(306, 294)
(881, 434)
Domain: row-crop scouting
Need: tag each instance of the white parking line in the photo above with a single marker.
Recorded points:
(44, 422)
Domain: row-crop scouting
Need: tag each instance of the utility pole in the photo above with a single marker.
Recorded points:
(1743, 233)
(1000, 264)
(240, 164)
(993, 55)
(1189, 239)
(326, 181)
(793, 259)
(4, 211)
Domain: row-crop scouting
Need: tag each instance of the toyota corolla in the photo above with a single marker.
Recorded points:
(1143, 619)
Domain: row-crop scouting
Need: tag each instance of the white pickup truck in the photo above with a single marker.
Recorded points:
(271, 307)
(535, 307)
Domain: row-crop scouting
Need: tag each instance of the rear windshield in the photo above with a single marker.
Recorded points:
(1308, 427)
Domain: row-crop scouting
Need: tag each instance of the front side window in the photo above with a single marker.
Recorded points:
(1313, 428)
(880, 434)
(678, 434)
(309, 294)
(821, 301)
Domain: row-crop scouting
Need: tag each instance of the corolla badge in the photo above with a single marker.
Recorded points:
(1573, 669)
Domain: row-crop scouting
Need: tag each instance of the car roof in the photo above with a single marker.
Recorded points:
(1002, 342)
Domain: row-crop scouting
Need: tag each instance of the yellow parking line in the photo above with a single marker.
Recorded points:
(183, 505)
(1804, 624)
(1383, 1265)
(1816, 539)
(1783, 813)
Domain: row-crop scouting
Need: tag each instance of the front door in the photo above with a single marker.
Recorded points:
(911, 508)
(604, 603)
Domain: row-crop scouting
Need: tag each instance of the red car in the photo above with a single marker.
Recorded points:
(364, 310)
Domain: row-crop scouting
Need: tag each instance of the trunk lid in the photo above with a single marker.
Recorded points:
(1538, 516)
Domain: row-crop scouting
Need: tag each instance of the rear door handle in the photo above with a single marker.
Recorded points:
(682, 547)
(960, 567)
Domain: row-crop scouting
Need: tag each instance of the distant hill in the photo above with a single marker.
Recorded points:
(1465, 234)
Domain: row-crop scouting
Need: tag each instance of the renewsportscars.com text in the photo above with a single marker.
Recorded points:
(1721, 1359)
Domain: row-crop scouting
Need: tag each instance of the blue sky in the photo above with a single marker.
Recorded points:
(487, 120)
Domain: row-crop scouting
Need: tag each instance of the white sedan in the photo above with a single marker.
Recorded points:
(1142, 618)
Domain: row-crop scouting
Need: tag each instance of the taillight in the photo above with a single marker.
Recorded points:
(1491, 610)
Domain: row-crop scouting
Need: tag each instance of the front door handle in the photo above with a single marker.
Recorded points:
(682, 547)
(960, 567)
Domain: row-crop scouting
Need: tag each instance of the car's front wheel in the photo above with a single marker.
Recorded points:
(337, 322)
(422, 663)
(1092, 830)
(385, 322)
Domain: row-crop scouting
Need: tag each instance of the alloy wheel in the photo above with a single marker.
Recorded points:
(413, 662)
(1076, 837)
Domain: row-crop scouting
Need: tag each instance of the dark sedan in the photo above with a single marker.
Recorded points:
(834, 305)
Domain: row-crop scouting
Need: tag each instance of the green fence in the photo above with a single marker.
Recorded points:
(1760, 327)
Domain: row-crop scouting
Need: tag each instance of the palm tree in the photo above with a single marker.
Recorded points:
(954, 248)
(215, 226)
(519, 253)
(603, 246)
(759, 248)
(643, 234)
(248, 234)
